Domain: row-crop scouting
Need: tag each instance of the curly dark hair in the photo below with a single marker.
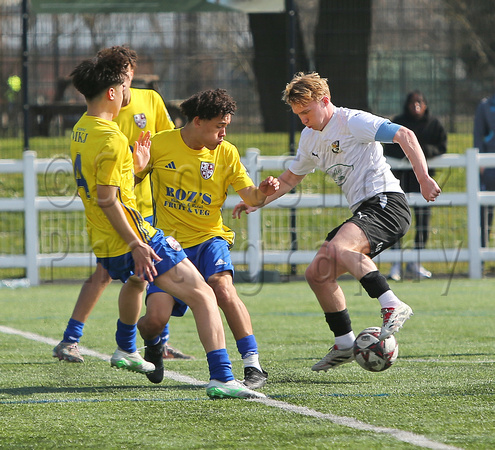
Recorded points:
(130, 55)
(93, 76)
(208, 105)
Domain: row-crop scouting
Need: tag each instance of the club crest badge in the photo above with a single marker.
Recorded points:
(140, 120)
(174, 244)
(207, 169)
(336, 147)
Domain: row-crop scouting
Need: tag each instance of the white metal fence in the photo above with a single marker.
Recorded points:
(254, 255)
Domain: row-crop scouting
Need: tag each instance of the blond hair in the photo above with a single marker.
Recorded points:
(304, 88)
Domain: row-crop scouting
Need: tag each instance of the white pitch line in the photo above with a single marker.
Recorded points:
(400, 435)
(404, 436)
(47, 340)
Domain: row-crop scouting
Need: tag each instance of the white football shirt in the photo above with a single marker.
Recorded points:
(348, 151)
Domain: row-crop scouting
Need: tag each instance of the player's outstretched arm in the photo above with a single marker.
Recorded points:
(410, 146)
(256, 196)
(286, 182)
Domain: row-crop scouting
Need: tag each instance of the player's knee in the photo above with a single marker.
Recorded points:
(136, 283)
(309, 274)
(150, 326)
(224, 289)
(320, 270)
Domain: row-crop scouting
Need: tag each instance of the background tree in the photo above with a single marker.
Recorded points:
(475, 18)
(342, 39)
(271, 65)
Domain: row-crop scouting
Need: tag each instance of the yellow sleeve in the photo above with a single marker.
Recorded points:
(240, 177)
(109, 163)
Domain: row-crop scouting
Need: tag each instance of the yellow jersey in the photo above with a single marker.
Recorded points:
(190, 187)
(100, 156)
(145, 112)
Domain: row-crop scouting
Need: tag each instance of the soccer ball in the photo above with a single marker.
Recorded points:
(372, 354)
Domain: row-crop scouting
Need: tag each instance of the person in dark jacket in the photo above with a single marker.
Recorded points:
(433, 140)
(484, 140)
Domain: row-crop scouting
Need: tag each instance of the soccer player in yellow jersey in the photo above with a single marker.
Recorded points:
(127, 246)
(142, 110)
(191, 169)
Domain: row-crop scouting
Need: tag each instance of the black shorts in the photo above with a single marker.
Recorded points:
(384, 219)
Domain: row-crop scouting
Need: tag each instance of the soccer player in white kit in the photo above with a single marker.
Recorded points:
(345, 144)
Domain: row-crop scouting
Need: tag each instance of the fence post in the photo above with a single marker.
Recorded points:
(31, 217)
(473, 210)
(254, 220)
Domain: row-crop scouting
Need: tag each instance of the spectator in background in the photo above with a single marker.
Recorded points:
(484, 140)
(433, 141)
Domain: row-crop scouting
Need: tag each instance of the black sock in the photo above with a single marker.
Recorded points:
(339, 322)
(375, 284)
